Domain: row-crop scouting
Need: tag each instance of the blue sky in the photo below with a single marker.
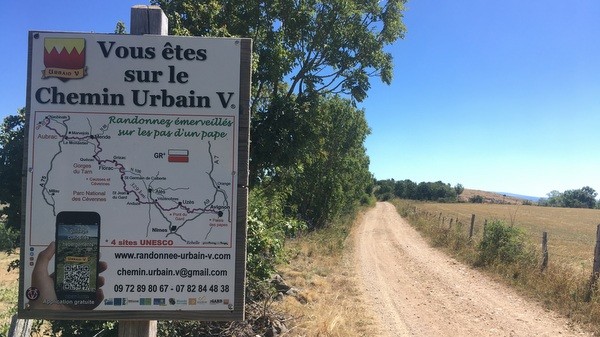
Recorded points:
(495, 95)
(499, 96)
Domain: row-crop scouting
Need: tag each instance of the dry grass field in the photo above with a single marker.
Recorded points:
(320, 266)
(571, 231)
(8, 289)
(489, 197)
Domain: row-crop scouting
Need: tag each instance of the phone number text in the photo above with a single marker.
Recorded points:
(180, 288)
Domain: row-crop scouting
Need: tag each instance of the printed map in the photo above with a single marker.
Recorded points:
(140, 172)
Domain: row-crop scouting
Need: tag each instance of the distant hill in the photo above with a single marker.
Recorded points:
(496, 197)
(524, 197)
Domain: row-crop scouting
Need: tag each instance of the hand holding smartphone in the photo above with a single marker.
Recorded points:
(77, 257)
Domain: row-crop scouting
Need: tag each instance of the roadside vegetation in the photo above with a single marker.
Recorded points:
(329, 301)
(504, 251)
(8, 283)
(571, 231)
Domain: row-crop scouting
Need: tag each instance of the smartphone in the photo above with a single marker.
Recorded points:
(76, 257)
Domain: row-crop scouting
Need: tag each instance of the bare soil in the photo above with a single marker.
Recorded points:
(416, 290)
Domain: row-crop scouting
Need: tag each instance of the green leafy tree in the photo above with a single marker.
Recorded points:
(304, 54)
(555, 199)
(405, 189)
(441, 192)
(459, 189)
(385, 189)
(329, 46)
(423, 191)
(334, 173)
(120, 28)
(11, 166)
(302, 49)
(584, 197)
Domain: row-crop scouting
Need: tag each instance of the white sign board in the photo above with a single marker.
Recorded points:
(132, 177)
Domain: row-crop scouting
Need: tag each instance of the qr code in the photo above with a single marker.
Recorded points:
(77, 277)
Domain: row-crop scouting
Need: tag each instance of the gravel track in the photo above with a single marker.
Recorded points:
(415, 290)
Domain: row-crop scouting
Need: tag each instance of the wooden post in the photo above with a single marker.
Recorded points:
(472, 226)
(148, 20)
(544, 251)
(596, 268)
(484, 227)
(20, 327)
(138, 328)
(144, 20)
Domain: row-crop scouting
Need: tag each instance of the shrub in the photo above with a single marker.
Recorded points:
(267, 229)
(81, 328)
(501, 244)
(476, 199)
(8, 238)
(385, 196)
(7, 295)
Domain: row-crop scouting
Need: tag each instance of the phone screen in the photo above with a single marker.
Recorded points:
(77, 255)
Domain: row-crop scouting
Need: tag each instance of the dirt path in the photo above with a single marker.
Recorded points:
(418, 291)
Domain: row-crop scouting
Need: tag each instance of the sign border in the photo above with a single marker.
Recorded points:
(238, 312)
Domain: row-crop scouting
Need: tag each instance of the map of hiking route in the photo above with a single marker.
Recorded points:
(154, 179)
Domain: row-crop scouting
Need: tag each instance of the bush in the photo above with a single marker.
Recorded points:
(81, 328)
(385, 196)
(8, 238)
(476, 199)
(267, 229)
(501, 244)
(7, 295)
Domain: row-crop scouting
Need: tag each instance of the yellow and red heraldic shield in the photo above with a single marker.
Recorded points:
(64, 58)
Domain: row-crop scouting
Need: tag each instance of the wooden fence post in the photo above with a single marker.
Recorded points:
(144, 20)
(544, 251)
(484, 227)
(472, 226)
(596, 268)
(597, 253)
